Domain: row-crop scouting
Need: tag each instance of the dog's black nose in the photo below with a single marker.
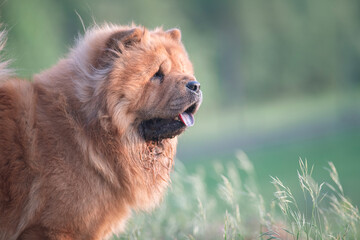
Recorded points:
(193, 86)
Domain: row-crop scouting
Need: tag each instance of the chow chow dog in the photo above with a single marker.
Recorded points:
(94, 137)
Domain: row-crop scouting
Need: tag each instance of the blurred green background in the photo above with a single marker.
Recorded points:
(281, 79)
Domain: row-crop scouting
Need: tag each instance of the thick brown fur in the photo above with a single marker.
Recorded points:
(73, 162)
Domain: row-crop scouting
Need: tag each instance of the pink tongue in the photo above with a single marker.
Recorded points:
(187, 119)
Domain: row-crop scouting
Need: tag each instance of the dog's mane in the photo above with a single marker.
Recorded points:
(148, 163)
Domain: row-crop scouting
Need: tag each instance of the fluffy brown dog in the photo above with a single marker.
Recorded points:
(93, 137)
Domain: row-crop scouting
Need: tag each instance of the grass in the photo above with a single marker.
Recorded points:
(280, 159)
(237, 210)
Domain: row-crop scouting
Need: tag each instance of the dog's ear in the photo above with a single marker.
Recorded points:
(174, 34)
(125, 38)
(116, 43)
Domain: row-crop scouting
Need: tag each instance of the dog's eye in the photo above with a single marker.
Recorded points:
(158, 75)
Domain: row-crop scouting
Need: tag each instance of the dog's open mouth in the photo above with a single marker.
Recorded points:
(159, 128)
(187, 117)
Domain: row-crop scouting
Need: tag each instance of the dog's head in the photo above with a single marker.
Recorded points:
(142, 79)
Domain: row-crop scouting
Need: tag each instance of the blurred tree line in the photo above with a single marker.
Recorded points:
(242, 50)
